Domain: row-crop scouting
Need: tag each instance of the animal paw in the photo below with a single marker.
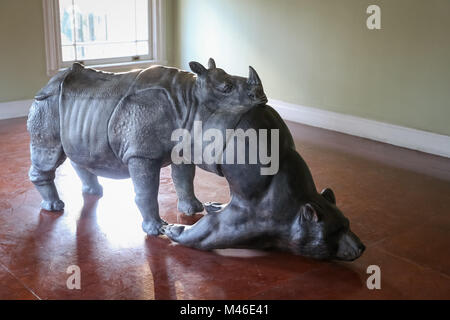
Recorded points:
(93, 190)
(173, 231)
(153, 228)
(57, 205)
(190, 207)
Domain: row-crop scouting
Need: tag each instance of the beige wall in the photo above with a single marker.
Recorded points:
(22, 50)
(316, 53)
(23, 69)
(319, 53)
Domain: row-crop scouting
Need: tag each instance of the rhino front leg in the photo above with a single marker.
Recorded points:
(145, 176)
(183, 179)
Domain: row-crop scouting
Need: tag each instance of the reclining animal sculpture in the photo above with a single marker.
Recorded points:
(282, 211)
(121, 126)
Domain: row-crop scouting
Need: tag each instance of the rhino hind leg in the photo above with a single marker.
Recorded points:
(183, 179)
(42, 175)
(47, 153)
(89, 181)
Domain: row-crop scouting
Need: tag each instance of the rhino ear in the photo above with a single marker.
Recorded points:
(211, 64)
(253, 78)
(308, 213)
(329, 195)
(197, 68)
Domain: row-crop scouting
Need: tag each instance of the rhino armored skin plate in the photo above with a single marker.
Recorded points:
(119, 125)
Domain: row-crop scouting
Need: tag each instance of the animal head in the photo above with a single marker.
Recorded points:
(217, 89)
(321, 231)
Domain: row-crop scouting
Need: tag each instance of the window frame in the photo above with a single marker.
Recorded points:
(53, 48)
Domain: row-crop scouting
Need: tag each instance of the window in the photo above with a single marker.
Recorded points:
(104, 33)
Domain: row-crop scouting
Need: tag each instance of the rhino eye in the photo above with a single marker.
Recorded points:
(226, 88)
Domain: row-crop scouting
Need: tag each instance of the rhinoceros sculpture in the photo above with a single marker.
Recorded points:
(120, 126)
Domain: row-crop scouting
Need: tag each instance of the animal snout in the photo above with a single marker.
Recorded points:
(260, 99)
(350, 247)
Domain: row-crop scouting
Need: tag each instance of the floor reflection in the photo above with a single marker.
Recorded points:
(183, 273)
(118, 261)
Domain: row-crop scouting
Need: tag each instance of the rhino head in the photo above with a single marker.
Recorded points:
(216, 89)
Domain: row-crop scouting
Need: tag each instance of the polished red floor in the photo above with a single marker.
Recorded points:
(398, 202)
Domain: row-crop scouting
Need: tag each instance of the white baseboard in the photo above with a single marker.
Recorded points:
(379, 131)
(14, 109)
(424, 141)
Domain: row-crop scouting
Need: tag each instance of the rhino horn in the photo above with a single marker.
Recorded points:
(211, 64)
(253, 78)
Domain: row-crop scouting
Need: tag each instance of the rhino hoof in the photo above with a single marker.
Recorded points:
(190, 207)
(57, 205)
(93, 190)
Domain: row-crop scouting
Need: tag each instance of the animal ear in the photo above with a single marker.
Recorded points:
(211, 64)
(308, 213)
(329, 195)
(253, 78)
(197, 68)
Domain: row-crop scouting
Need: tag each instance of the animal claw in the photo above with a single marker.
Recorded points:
(173, 231)
(213, 206)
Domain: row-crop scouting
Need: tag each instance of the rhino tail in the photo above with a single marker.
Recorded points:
(52, 88)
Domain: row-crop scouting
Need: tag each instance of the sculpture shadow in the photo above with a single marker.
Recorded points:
(183, 273)
(30, 259)
(46, 254)
(87, 246)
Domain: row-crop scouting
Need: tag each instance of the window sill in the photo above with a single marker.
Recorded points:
(124, 66)
(53, 40)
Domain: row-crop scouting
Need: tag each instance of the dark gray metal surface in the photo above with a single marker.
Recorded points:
(120, 126)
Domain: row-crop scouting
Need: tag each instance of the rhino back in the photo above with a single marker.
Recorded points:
(176, 85)
(87, 101)
(142, 125)
(159, 102)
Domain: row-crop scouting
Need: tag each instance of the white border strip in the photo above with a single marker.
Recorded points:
(14, 109)
(379, 131)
